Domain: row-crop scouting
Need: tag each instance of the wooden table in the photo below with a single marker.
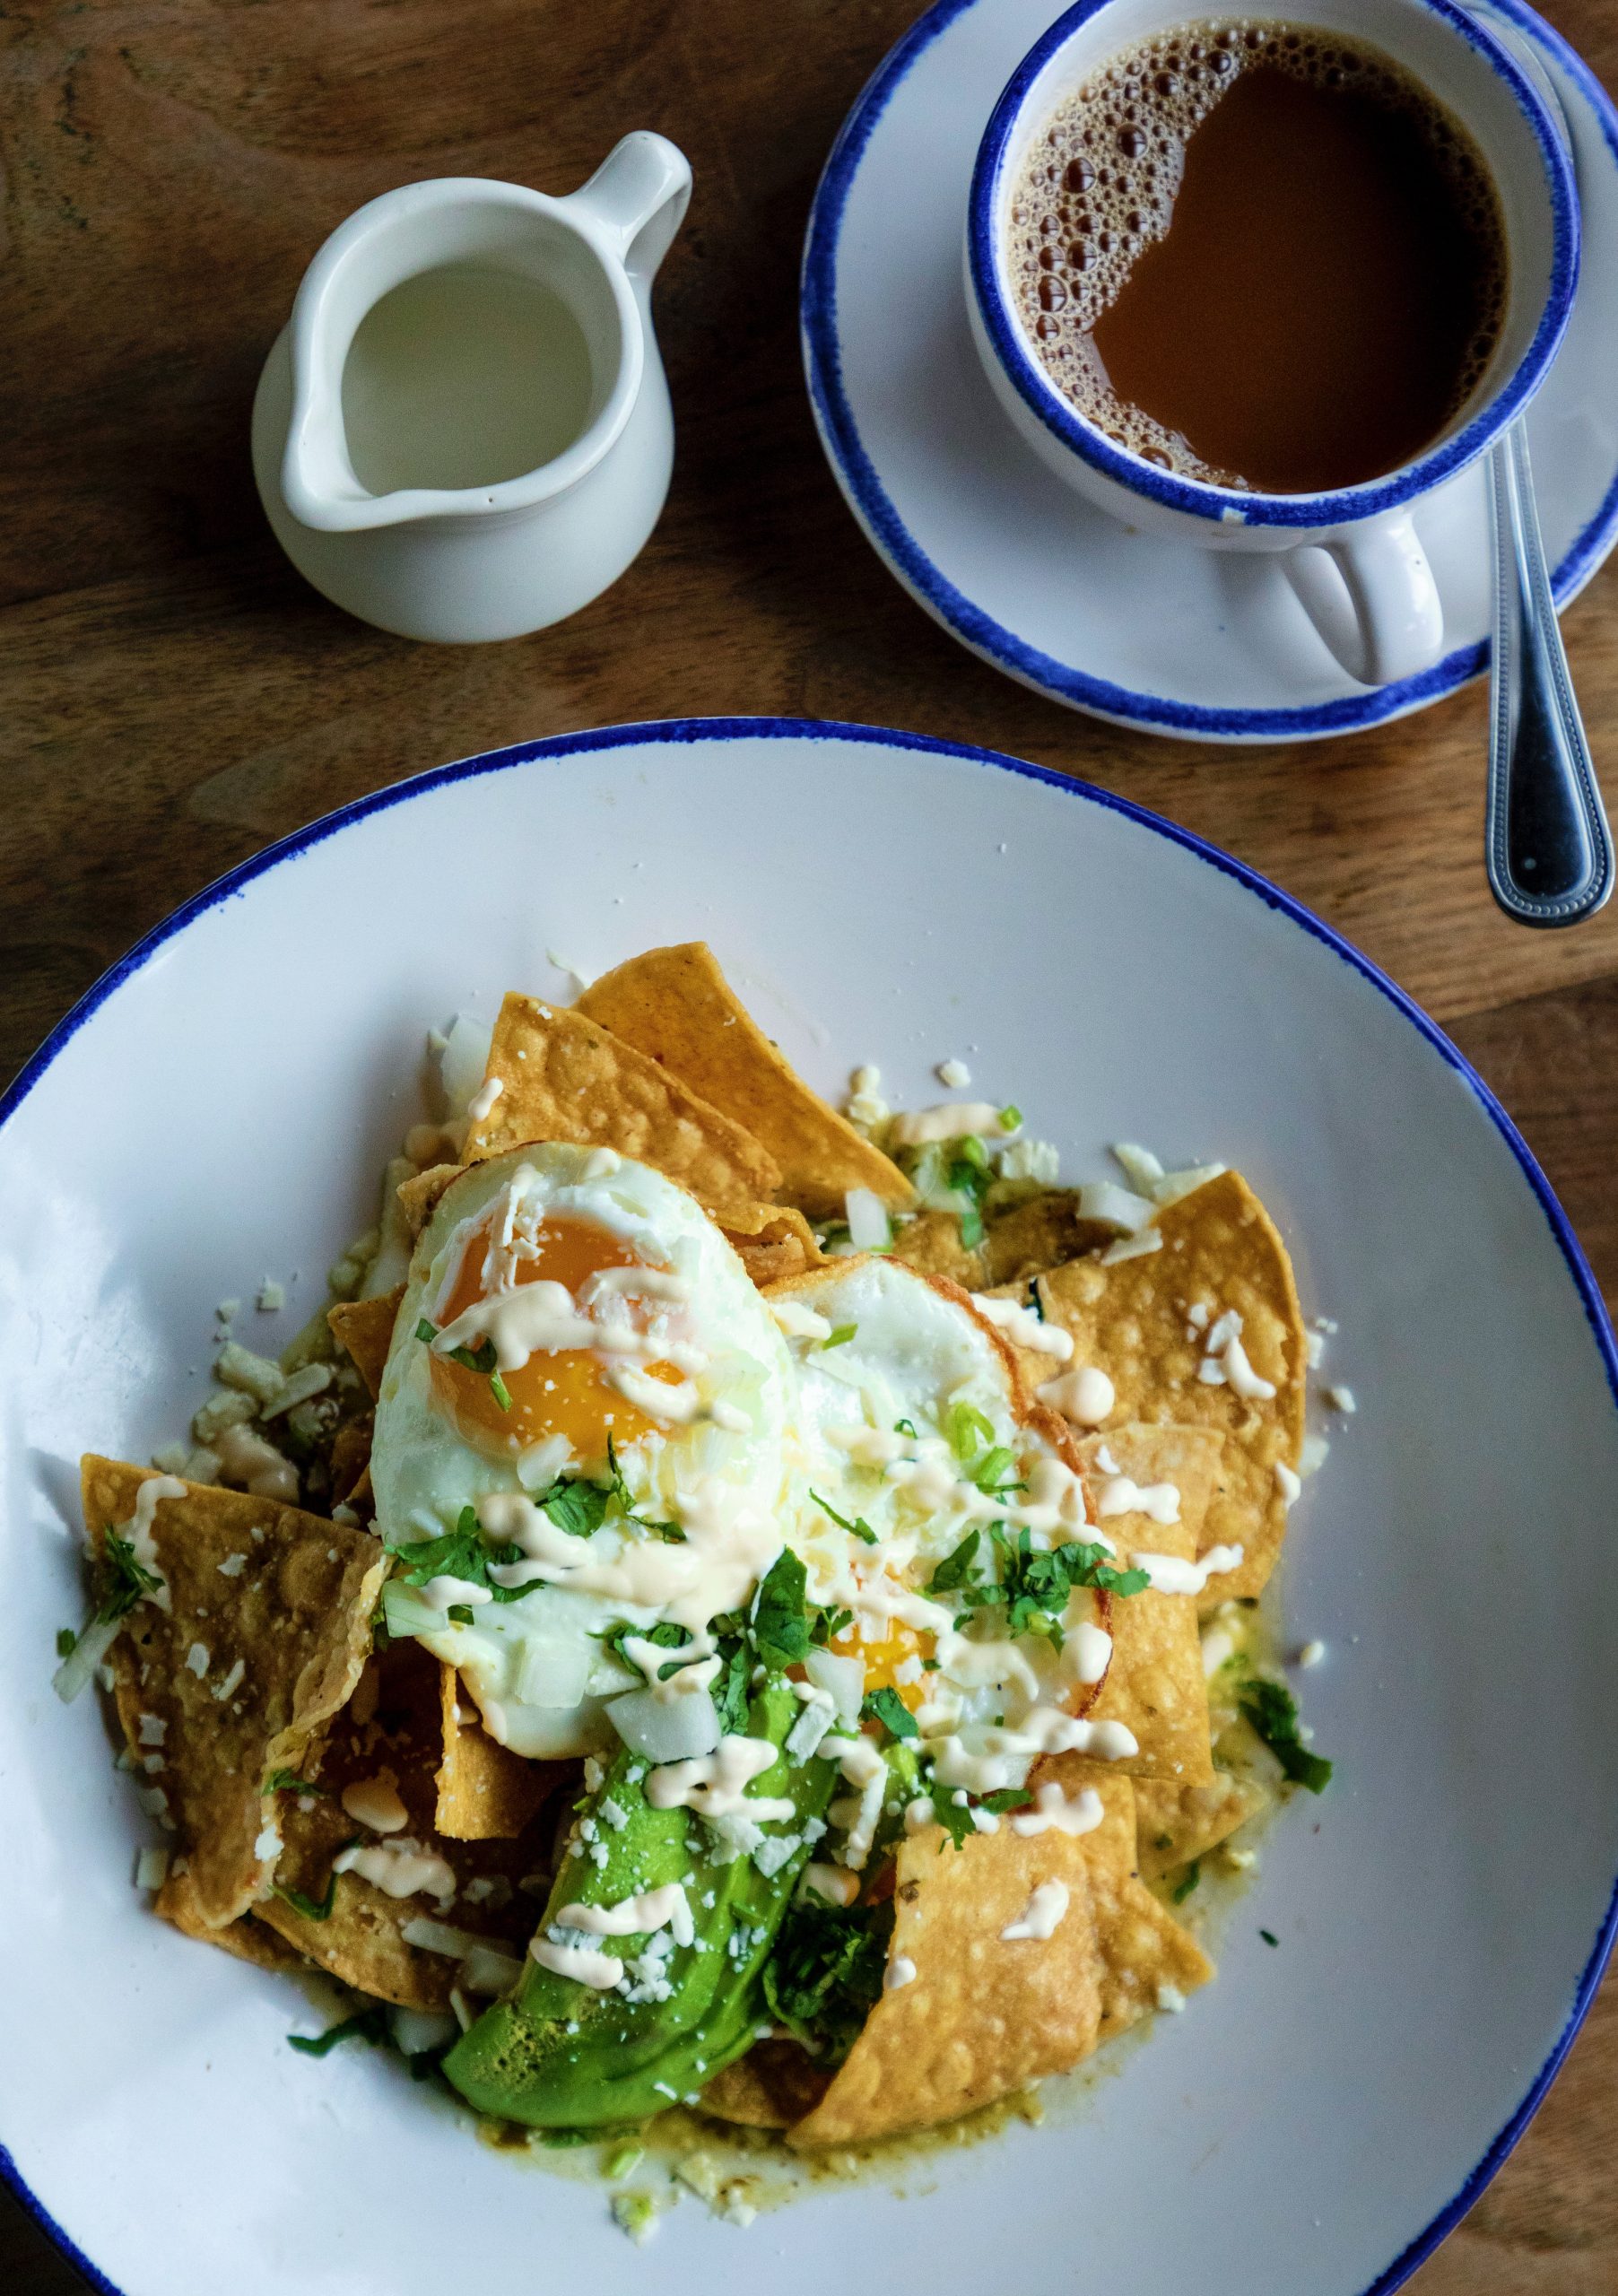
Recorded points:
(172, 697)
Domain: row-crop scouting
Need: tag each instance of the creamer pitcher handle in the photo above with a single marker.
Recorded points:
(1373, 599)
(638, 194)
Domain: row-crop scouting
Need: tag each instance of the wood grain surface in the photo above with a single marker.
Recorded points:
(172, 697)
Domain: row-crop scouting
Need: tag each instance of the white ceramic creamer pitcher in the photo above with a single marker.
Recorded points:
(464, 432)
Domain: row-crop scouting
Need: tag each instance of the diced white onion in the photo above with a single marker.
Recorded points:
(487, 1971)
(463, 1060)
(674, 1729)
(440, 1938)
(77, 1669)
(867, 1216)
(406, 1614)
(842, 1679)
(1172, 1185)
(1114, 1207)
(416, 2031)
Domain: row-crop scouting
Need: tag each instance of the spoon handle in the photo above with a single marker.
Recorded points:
(1546, 846)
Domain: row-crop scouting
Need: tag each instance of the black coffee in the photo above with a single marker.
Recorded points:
(1261, 255)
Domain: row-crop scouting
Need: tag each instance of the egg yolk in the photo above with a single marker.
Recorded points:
(884, 1659)
(566, 1392)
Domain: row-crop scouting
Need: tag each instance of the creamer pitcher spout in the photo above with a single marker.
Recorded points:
(464, 432)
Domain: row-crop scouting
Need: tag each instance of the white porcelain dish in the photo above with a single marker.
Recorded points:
(215, 1110)
(1142, 629)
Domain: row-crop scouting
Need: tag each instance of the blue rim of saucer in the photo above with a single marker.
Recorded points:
(1339, 504)
(979, 631)
(691, 732)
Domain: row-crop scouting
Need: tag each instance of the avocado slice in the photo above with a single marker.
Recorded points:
(558, 2054)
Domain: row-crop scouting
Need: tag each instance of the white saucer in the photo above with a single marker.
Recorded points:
(1142, 631)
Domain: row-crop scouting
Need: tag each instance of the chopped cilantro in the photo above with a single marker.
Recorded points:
(574, 1506)
(1269, 1937)
(858, 1528)
(481, 1358)
(905, 1427)
(367, 2025)
(779, 1629)
(730, 1691)
(312, 1910)
(886, 1706)
(1272, 1712)
(1187, 1882)
(669, 1532)
(460, 1613)
(287, 1781)
(460, 1553)
(67, 1642)
(955, 1569)
(824, 1976)
(840, 1338)
(956, 1819)
(969, 1174)
(1008, 1797)
(828, 1624)
(667, 1636)
(124, 1578)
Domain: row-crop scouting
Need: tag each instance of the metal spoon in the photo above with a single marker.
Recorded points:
(1546, 846)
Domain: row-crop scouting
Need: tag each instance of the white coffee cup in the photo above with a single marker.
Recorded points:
(1352, 554)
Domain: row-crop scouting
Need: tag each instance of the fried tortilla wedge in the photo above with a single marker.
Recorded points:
(1155, 1684)
(365, 1328)
(257, 1636)
(676, 1006)
(781, 1246)
(1177, 1823)
(562, 1076)
(983, 2014)
(389, 1736)
(1146, 1322)
(248, 1939)
(776, 2083)
(485, 1791)
(1141, 1949)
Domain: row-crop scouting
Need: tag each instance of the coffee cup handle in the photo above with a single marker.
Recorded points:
(1373, 600)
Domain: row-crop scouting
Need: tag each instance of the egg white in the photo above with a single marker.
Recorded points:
(538, 1667)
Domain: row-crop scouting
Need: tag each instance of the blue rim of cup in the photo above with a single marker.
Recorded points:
(992, 640)
(1339, 505)
(692, 731)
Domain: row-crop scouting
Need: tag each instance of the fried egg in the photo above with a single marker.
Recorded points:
(911, 1433)
(573, 1318)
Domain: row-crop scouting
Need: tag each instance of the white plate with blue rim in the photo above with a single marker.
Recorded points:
(218, 1108)
(1143, 630)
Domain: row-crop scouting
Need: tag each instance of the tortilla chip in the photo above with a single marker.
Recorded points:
(351, 1464)
(392, 1729)
(1156, 1684)
(776, 2083)
(365, 1328)
(485, 1791)
(780, 1245)
(563, 1077)
(676, 1005)
(984, 2015)
(1140, 1945)
(1039, 1232)
(418, 1195)
(1220, 1250)
(274, 1605)
(248, 1939)
(930, 1244)
(1177, 1823)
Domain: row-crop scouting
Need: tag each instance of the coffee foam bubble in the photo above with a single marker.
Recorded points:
(1098, 183)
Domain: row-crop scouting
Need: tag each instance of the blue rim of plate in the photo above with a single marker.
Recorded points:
(693, 732)
(1194, 496)
(979, 631)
